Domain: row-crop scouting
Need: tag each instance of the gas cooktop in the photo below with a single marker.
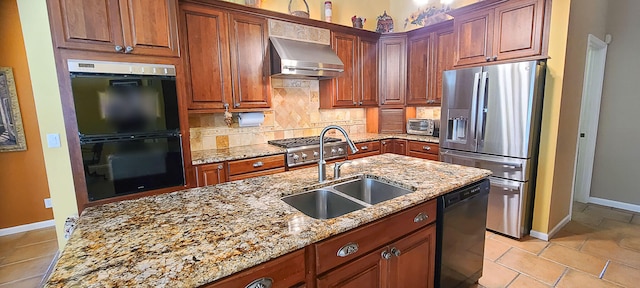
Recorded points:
(301, 141)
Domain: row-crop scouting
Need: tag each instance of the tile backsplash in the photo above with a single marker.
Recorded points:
(428, 112)
(294, 113)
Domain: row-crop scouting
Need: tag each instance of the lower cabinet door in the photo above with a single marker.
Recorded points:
(413, 260)
(369, 271)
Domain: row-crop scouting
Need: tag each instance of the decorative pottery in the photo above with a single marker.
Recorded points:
(358, 22)
(385, 23)
(299, 8)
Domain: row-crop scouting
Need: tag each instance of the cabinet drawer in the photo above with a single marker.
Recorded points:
(360, 241)
(256, 174)
(366, 149)
(423, 147)
(255, 164)
(422, 155)
(284, 271)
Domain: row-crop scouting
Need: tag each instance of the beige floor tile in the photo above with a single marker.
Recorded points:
(636, 219)
(22, 270)
(622, 274)
(611, 229)
(24, 283)
(587, 219)
(573, 235)
(8, 242)
(527, 243)
(577, 279)
(488, 234)
(495, 275)
(575, 259)
(579, 207)
(610, 249)
(22, 253)
(632, 243)
(524, 281)
(37, 236)
(527, 263)
(608, 213)
(493, 249)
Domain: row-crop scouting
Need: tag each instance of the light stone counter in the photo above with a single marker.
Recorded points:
(197, 236)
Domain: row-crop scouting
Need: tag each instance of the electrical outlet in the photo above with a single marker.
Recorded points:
(47, 203)
(53, 140)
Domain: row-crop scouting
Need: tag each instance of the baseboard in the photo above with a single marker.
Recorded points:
(27, 227)
(552, 232)
(614, 204)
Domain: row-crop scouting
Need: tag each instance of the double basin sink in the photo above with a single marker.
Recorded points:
(339, 199)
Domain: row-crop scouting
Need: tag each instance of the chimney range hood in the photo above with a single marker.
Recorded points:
(298, 59)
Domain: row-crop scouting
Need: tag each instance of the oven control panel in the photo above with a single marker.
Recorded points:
(311, 154)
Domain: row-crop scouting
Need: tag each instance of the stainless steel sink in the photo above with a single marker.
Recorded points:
(322, 204)
(339, 199)
(371, 191)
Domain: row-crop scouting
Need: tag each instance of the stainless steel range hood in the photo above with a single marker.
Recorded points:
(294, 59)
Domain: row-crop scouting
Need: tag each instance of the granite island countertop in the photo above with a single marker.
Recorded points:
(197, 236)
(200, 157)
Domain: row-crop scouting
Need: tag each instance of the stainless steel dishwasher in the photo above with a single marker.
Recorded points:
(462, 218)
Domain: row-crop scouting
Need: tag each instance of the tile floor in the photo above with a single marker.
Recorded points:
(599, 248)
(25, 257)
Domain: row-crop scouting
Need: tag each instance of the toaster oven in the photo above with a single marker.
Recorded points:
(426, 127)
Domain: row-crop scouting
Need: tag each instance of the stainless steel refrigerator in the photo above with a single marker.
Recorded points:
(490, 119)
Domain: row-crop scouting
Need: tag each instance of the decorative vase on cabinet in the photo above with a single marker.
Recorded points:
(299, 8)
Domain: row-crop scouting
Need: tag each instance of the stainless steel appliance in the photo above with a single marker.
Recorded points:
(460, 235)
(491, 119)
(129, 130)
(306, 150)
(427, 127)
(294, 58)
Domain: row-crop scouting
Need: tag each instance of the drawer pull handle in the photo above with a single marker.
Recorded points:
(348, 249)
(364, 148)
(261, 283)
(426, 148)
(396, 252)
(218, 174)
(386, 255)
(420, 217)
(258, 164)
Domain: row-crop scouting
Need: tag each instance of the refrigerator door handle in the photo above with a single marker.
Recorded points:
(478, 157)
(482, 110)
(474, 103)
(505, 185)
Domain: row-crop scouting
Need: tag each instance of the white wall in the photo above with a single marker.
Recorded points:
(617, 163)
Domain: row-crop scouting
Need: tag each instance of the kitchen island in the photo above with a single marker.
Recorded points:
(194, 237)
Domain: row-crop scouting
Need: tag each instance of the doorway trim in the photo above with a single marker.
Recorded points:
(589, 116)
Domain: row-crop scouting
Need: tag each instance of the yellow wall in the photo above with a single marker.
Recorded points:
(551, 115)
(39, 48)
(23, 179)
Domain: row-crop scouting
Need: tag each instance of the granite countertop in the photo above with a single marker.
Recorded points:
(197, 236)
(251, 151)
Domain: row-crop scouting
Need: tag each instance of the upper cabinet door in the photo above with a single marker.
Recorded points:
(419, 62)
(474, 34)
(518, 29)
(87, 24)
(249, 61)
(346, 93)
(369, 72)
(207, 57)
(442, 61)
(393, 70)
(150, 27)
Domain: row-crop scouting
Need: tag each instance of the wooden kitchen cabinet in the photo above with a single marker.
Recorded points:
(206, 56)
(400, 146)
(368, 271)
(429, 54)
(386, 146)
(284, 271)
(365, 149)
(391, 120)
(250, 69)
(368, 72)
(143, 27)
(424, 150)
(413, 261)
(255, 167)
(504, 31)
(393, 70)
(210, 174)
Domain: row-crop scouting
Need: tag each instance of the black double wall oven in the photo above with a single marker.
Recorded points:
(128, 126)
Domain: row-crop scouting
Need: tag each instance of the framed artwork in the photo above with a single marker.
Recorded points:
(11, 130)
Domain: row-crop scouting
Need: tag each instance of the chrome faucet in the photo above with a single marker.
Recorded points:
(322, 169)
(336, 168)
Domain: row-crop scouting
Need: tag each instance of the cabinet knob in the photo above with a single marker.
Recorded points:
(395, 251)
(118, 48)
(488, 59)
(426, 148)
(364, 148)
(348, 249)
(360, 103)
(258, 164)
(261, 283)
(495, 58)
(128, 49)
(386, 255)
(420, 217)
(236, 105)
(355, 103)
